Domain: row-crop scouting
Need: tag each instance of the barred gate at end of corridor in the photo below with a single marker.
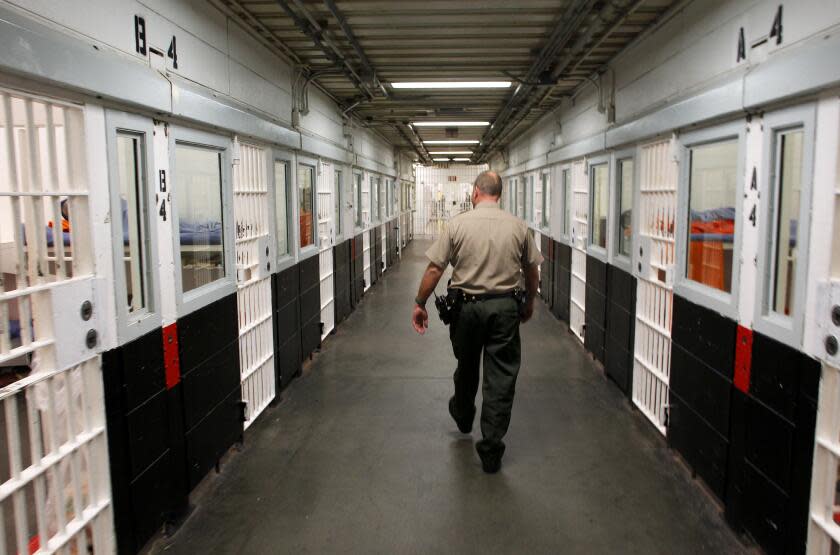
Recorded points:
(442, 193)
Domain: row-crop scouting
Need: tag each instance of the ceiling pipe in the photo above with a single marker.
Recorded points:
(561, 34)
(614, 13)
(420, 150)
(313, 30)
(367, 67)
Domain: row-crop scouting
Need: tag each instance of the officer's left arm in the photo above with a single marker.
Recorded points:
(431, 277)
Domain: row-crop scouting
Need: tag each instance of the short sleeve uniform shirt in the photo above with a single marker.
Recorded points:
(487, 247)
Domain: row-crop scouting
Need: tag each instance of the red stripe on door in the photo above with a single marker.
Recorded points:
(171, 361)
(743, 358)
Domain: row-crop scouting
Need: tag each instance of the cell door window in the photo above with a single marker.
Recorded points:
(787, 183)
(713, 184)
(306, 204)
(282, 184)
(624, 229)
(546, 200)
(520, 201)
(134, 218)
(198, 185)
(599, 189)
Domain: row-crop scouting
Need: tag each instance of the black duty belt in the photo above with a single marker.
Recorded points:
(487, 296)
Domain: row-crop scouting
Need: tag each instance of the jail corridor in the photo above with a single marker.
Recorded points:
(361, 456)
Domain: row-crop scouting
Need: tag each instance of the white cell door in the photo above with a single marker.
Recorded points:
(366, 237)
(654, 294)
(56, 491)
(326, 237)
(254, 248)
(538, 242)
(384, 249)
(580, 214)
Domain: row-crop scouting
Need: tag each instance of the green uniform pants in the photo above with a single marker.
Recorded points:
(490, 327)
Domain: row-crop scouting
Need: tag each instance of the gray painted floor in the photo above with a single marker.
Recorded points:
(361, 456)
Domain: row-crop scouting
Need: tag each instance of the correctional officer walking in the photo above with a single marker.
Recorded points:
(492, 253)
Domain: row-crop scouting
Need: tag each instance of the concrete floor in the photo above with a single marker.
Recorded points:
(361, 456)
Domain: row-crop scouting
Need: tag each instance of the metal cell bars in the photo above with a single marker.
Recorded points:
(580, 207)
(325, 187)
(43, 188)
(652, 351)
(536, 215)
(654, 296)
(366, 239)
(55, 491)
(251, 211)
(326, 234)
(256, 346)
(824, 531)
(365, 199)
(251, 207)
(657, 209)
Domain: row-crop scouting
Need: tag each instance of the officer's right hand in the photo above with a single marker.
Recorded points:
(527, 312)
(420, 319)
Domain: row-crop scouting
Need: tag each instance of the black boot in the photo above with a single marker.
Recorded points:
(464, 425)
(490, 453)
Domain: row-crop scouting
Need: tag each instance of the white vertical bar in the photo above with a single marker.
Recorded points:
(36, 239)
(52, 155)
(15, 467)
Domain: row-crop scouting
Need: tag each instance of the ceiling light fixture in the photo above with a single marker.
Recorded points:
(460, 159)
(453, 152)
(450, 84)
(453, 142)
(450, 123)
(441, 159)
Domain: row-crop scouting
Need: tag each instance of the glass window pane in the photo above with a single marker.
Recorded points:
(599, 182)
(788, 181)
(134, 215)
(281, 187)
(625, 206)
(306, 201)
(198, 185)
(712, 196)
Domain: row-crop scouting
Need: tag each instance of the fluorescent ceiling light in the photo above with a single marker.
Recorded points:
(453, 142)
(441, 159)
(451, 84)
(450, 123)
(453, 152)
(460, 159)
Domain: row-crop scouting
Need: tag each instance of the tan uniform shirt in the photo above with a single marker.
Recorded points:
(488, 249)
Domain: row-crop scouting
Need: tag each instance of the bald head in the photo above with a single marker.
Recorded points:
(489, 184)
